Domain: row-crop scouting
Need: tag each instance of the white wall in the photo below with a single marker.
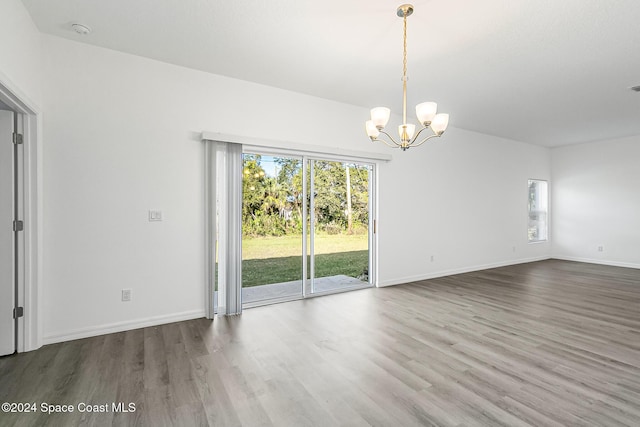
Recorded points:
(462, 200)
(20, 52)
(123, 138)
(596, 202)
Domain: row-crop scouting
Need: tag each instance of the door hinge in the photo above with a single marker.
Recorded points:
(18, 225)
(18, 138)
(18, 312)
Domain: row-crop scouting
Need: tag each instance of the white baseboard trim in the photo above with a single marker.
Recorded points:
(461, 270)
(597, 261)
(121, 326)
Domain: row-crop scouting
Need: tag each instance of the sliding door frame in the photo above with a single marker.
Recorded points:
(371, 232)
(305, 231)
(308, 217)
(289, 149)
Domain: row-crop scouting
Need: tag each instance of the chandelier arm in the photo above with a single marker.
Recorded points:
(415, 137)
(426, 139)
(386, 143)
(396, 145)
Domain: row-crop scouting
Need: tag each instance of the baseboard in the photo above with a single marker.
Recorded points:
(597, 261)
(121, 326)
(443, 273)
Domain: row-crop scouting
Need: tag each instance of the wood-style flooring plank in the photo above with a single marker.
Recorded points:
(550, 343)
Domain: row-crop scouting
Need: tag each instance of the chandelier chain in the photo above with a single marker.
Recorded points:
(404, 57)
(404, 70)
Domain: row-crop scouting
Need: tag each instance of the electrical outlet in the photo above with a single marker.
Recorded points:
(126, 295)
(433, 258)
(600, 248)
(514, 248)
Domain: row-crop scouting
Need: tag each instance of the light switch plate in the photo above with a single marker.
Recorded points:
(155, 215)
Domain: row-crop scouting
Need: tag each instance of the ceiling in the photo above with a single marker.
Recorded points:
(546, 72)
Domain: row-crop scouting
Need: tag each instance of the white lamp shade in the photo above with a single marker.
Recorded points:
(426, 111)
(410, 129)
(440, 123)
(372, 130)
(380, 116)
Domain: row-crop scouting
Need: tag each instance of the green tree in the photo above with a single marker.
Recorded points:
(290, 178)
(273, 205)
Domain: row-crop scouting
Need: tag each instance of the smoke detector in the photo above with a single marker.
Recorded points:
(81, 29)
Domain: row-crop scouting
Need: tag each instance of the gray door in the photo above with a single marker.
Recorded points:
(7, 243)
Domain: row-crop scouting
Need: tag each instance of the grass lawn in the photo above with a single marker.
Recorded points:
(268, 260)
(275, 247)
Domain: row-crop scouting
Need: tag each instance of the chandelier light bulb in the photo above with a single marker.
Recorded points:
(440, 123)
(372, 130)
(380, 117)
(406, 131)
(425, 112)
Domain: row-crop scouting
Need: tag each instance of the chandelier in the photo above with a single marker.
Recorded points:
(426, 111)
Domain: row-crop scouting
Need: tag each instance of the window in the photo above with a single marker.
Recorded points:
(538, 210)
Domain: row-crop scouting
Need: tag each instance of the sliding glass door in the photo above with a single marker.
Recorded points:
(306, 226)
(272, 221)
(339, 225)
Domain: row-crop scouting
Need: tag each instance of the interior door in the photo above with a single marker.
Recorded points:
(7, 242)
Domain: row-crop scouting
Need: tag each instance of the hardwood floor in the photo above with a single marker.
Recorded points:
(546, 344)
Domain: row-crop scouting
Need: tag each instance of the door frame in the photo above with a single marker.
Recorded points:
(288, 148)
(10, 238)
(30, 268)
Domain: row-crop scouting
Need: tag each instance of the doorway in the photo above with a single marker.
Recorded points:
(306, 227)
(10, 228)
(21, 196)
